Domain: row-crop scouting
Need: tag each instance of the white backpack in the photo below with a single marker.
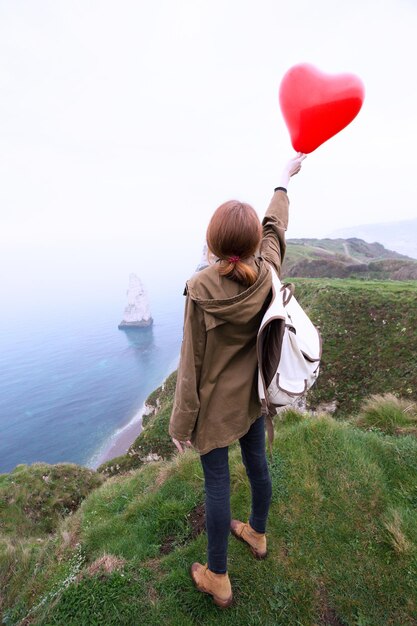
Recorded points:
(289, 351)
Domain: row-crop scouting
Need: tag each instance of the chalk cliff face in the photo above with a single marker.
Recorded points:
(137, 312)
(204, 259)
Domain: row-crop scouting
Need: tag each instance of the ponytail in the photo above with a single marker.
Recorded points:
(237, 270)
(234, 234)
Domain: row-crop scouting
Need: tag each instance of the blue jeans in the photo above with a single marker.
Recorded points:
(217, 489)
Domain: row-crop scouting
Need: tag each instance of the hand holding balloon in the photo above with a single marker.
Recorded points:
(291, 169)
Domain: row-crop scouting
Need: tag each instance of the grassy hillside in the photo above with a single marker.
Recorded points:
(343, 258)
(33, 499)
(342, 539)
(369, 332)
(79, 547)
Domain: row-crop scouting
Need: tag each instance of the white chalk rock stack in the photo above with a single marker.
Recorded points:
(137, 312)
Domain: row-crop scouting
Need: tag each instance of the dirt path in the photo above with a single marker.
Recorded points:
(348, 254)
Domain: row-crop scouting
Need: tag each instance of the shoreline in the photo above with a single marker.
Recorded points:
(120, 441)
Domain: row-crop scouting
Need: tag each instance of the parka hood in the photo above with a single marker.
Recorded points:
(207, 289)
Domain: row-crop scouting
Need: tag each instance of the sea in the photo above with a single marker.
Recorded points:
(71, 381)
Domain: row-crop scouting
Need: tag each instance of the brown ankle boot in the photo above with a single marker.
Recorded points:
(256, 541)
(217, 585)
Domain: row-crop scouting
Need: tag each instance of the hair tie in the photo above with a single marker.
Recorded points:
(234, 259)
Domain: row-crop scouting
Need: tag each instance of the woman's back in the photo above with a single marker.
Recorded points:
(216, 397)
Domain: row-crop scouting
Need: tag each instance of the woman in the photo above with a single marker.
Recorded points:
(216, 400)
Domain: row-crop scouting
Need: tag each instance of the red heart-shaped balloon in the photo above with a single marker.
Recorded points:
(316, 106)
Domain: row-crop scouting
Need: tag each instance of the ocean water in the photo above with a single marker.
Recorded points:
(70, 379)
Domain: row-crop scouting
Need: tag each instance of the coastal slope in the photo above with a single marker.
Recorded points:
(342, 539)
(114, 546)
(369, 338)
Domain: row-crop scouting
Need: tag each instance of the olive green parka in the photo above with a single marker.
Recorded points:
(216, 396)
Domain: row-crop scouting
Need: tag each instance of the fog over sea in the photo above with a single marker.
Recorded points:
(70, 380)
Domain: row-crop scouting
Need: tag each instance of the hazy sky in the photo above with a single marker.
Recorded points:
(123, 125)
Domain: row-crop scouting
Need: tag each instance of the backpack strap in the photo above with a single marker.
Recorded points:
(288, 289)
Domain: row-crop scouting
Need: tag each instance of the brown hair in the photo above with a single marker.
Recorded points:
(234, 230)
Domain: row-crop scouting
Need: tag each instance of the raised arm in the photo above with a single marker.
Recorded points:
(275, 222)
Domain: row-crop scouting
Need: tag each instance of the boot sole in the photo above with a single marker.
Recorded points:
(258, 555)
(223, 604)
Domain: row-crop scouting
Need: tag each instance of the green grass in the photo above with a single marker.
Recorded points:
(342, 540)
(388, 414)
(369, 331)
(157, 517)
(34, 498)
